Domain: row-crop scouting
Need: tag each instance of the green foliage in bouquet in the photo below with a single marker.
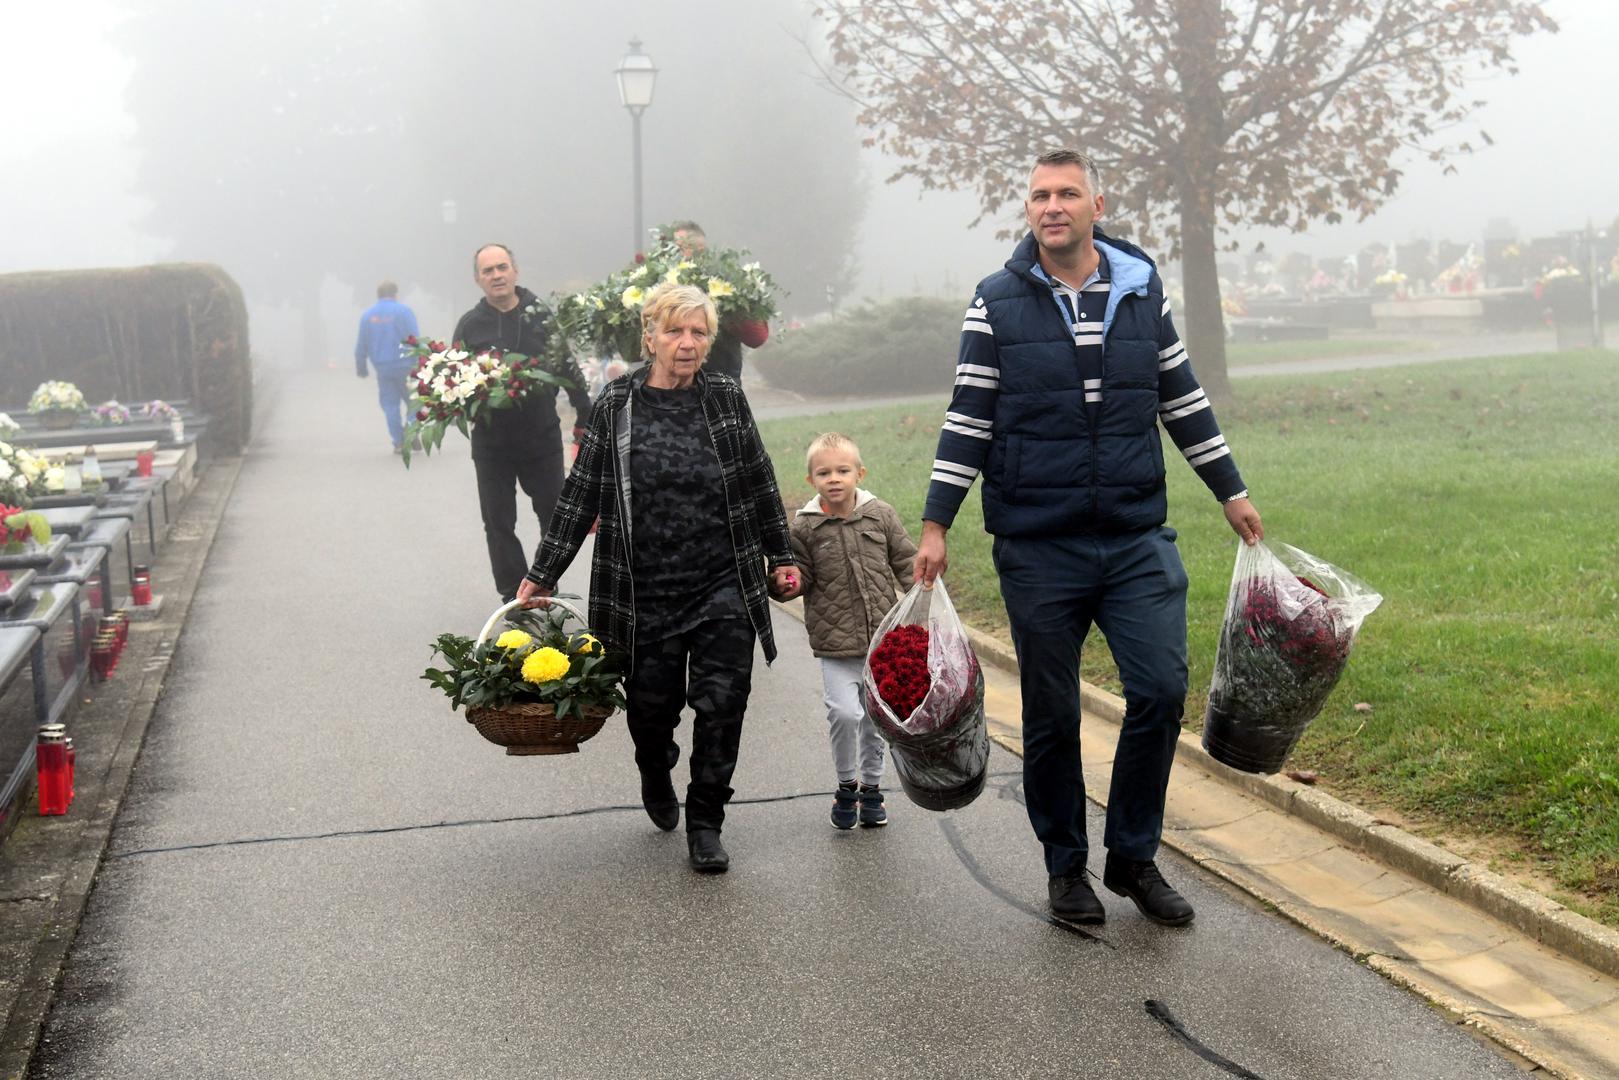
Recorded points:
(537, 660)
(606, 318)
(19, 527)
(453, 388)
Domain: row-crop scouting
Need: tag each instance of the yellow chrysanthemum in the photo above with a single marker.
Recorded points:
(718, 287)
(513, 639)
(544, 665)
(633, 297)
(587, 643)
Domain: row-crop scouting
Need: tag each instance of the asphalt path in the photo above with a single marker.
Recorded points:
(322, 872)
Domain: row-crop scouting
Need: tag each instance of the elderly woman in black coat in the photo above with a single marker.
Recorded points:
(692, 539)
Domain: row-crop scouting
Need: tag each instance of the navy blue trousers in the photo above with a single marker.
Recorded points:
(1133, 587)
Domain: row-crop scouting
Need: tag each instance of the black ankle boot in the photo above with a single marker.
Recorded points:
(1147, 889)
(707, 853)
(661, 802)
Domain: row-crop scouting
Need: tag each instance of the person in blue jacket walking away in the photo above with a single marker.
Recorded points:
(1069, 362)
(383, 330)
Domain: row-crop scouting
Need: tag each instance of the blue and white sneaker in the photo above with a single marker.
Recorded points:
(845, 806)
(872, 814)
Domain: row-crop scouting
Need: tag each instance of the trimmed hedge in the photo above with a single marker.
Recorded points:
(176, 332)
(896, 347)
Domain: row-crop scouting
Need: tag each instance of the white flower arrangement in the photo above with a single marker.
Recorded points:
(55, 395)
(23, 474)
(8, 427)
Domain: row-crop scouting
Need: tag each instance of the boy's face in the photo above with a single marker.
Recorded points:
(835, 474)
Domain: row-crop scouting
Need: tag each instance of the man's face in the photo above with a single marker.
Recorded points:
(690, 241)
(1061, 207)
(497, 276)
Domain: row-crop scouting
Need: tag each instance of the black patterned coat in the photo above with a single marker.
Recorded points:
(599, 485)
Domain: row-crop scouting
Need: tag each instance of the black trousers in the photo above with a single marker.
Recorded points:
(498, 480)
(710, 668)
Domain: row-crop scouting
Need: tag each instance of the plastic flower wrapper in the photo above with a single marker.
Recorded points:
(1290, 622)
(933, 718)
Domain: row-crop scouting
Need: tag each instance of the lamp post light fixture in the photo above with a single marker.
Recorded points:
(636, 76)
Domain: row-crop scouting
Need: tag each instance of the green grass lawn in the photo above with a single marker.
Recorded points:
(1250, 353)
(1481, 498)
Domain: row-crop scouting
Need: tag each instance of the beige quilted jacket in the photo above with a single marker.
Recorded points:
(850, 568)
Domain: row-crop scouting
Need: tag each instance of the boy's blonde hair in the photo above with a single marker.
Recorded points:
(830, 440)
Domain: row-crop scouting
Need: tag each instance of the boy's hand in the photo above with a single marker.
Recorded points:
(784, 583)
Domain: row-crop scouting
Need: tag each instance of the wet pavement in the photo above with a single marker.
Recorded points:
(320, 871)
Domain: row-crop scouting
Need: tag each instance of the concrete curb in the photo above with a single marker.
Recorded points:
(1545, 920)
(195, 526)
(1540, 918)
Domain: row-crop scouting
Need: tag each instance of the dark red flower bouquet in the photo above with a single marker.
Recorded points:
(1290, 622)
(899, 665)
(925, 693)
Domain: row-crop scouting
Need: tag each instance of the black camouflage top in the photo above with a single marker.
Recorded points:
(599, 484)
(685, 571)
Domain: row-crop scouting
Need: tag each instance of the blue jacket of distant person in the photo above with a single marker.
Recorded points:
(383, 330)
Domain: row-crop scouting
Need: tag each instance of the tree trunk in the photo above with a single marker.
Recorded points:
(1198, 28)
(1204, 329)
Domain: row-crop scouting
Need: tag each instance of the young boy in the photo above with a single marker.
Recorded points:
(851, 550)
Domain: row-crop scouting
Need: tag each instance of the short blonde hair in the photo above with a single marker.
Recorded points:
(830, 440)
(668, 302)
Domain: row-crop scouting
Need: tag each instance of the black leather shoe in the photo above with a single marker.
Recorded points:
(1147, 889)
(707, 854)
(1073, 900)
(661, 802)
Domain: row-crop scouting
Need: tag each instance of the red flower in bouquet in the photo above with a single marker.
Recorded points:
(899, 666)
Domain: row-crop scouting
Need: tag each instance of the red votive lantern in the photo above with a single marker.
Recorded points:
(72, 769)
(140, 589)
(50, 762)
(101, 657)
(143, 462)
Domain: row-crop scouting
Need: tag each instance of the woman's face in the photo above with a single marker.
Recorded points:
(680, 346)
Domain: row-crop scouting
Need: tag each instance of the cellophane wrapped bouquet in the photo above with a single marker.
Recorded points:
(924, 690)
(1290, 621)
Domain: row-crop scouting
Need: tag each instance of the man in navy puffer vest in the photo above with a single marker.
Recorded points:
(1068, 363)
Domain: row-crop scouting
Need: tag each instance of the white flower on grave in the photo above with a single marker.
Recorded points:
(6, 471)
(55, 479)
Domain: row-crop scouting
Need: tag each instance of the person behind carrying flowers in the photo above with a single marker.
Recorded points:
(851, 549)
(691, 518)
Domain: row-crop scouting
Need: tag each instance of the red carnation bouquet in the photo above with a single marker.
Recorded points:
(925, 693)
(1290, 621)
(899, 667)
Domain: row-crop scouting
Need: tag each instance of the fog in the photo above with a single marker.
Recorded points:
(137, 132)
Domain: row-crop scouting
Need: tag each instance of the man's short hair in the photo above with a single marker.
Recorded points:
(485, 247)
(1066, 156)
(686, 227)
(830, 440)
(387, 291)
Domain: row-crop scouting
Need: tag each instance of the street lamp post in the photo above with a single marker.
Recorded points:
(636, 75)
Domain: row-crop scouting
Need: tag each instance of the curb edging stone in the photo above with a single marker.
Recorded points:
(1543, 919)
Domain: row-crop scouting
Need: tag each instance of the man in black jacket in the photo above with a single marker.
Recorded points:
(520, 445)
(725, 356)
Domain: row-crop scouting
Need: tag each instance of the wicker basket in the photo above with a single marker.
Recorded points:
(528, 727)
